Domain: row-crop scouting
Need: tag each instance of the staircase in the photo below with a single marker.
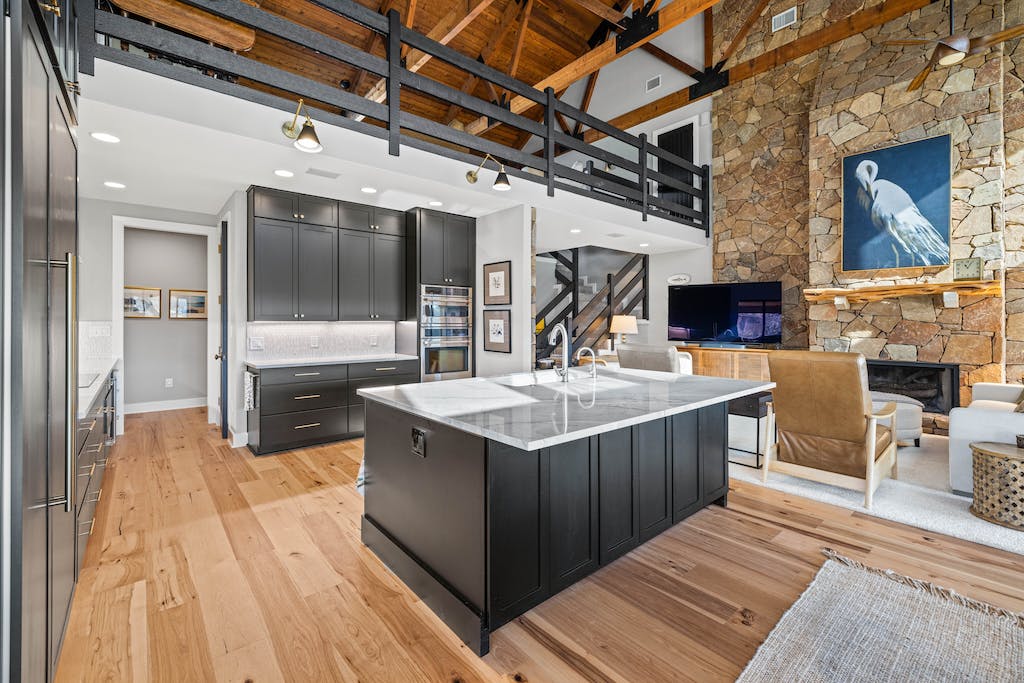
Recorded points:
(590, 307)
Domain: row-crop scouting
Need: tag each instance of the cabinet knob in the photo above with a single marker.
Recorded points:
(303, 315)
(302, 215)
(295, 315)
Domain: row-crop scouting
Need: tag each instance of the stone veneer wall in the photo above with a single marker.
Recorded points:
(779, 142)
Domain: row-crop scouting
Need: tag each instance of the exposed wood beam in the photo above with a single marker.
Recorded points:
(407, 20)
(562, 123)
(841, 30)
(488, 51)
(602, 10)
(517, 51)
(670, 16)
(588, 94)
(730, 47)
(670, 59)
(371, 42)
(709, 37)
(446, 30)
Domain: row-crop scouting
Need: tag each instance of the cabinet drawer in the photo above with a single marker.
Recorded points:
(308, 426)
(384, 369)
(355, 385)
(289, 398)
(309, 373)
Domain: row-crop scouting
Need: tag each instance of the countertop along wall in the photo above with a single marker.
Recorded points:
(156, 349)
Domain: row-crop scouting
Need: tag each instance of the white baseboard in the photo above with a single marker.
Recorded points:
(156, 406)
(238, 439)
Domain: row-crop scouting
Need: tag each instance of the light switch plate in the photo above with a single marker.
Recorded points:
(373, 340)
(314, 342)
(168, 382)
(255, 343)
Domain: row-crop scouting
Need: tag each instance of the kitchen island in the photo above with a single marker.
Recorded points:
(487, 496)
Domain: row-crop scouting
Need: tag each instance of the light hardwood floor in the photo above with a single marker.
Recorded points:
(210, 564)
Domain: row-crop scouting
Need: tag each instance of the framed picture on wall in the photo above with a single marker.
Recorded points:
(498, 284)
(498, 331)
(896, 206)
(186, 304)
(142, 302)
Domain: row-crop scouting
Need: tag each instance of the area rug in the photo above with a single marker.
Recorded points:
(857, 623)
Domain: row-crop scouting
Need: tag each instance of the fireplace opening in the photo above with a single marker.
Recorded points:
(936, 385)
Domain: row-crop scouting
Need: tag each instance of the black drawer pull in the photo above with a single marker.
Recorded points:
(307, 374)
(385, 369)
(310, 425)
(307, 396)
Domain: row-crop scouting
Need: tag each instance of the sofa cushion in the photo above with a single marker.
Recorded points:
(1001, 406)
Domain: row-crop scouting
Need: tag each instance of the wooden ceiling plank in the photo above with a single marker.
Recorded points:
(729, 49)
(671, 15)
(371, 42)
(856, 23)
(602, 10)
(670, 59)
(709, 37)
(408, 20)
(193, 21)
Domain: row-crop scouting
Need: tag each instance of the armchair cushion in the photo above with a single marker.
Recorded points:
(831, 455)
(644, 357)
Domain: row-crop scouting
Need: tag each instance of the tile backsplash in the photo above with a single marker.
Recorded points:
(281, 341)
(94, 340)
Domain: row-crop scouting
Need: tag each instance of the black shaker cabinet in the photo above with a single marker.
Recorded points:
(447, 247)
(372, 282)
(289, 206)
(353, 216)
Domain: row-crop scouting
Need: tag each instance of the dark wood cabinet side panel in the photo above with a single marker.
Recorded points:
(573, 511)
(685, 465)
(654, 468)
(714, 452)
(617, 486)
(518, 530)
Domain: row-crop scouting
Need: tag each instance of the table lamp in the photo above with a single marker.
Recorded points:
(622, 324)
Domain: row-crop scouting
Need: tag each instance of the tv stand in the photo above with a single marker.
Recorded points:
(736, 362)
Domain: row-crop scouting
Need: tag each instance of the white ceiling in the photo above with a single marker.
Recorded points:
(188, 148)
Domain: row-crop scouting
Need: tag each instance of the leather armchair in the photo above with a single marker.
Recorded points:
(827, 429)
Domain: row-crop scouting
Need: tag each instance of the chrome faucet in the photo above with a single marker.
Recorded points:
(593, 359)
(560, 329)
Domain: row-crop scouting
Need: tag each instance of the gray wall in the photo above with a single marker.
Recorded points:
(95, 245)
(155, 349)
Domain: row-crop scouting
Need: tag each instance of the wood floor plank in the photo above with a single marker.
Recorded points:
(207, 563)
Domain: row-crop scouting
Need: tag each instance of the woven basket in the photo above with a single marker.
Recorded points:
(998, 489)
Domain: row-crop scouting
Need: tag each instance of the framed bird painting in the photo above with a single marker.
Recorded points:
(896, 207)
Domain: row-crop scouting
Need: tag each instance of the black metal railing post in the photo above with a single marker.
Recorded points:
(644, 191)
(647, 286)
(394, 82)
(610, 308)
(575, 282)
(705, 198)
(549, 139)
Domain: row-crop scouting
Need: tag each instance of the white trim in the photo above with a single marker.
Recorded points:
(212, 235)
(157, 406)
(238, 439)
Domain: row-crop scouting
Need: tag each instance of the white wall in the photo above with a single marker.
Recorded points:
(234, 212)
(505, 236)
(696, 263)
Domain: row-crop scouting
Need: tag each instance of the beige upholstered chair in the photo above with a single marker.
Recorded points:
(827, 430)
(660, 358)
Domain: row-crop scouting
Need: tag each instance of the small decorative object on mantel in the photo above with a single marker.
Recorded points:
(186, 304)
(498, 331)
(896, 207)
(967, 269)
(951, 299)
(498, 284)
(142, 302)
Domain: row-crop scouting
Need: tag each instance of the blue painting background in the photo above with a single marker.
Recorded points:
(922, 169)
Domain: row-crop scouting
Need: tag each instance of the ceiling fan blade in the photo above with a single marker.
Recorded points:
(983, 42)
(919, 78)
(907, 42)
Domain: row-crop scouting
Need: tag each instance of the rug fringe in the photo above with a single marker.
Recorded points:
(926, 586)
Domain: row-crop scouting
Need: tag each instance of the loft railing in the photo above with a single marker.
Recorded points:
(624, 291)
(183, 58)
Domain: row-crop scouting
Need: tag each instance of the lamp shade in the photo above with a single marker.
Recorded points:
(307, 140)
(623, 324)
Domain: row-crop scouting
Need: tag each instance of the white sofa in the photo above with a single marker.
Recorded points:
(989, 417)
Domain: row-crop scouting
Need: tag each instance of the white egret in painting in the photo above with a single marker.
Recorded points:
(892, 210)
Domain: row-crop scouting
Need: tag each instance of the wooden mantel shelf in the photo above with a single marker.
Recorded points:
(865, 294)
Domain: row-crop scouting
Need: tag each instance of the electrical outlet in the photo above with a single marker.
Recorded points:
(255, 343)
(314, 342)
(168, 382)
(373, 340)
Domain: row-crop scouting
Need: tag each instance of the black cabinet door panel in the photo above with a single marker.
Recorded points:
(459, 258)
(389, 222)
(685, 465)
(274, 277)
(432, 248)
(318, 273)
(356, 419)
(275, 204)
(714, 452)
(318, 211)
(355, 269)
(354, 216)
(654, 468)
(617, 482)
(573, 511)
(388, 277)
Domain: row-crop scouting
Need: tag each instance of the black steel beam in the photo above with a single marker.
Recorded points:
(549, 140)
(644, 190)
(394, 82)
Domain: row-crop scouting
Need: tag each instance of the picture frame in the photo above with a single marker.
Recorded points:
(498, 284)
(142, 302)
(186, 304)
(897, 207)
(498, 331)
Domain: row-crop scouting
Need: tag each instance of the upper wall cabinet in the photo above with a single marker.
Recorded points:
(447, 247)
(288, 206)
(371, 219)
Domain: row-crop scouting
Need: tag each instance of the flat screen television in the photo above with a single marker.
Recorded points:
(742, 313)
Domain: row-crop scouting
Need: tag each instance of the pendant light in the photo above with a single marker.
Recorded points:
(305, 138)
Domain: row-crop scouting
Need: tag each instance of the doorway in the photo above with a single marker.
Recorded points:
(681, 140)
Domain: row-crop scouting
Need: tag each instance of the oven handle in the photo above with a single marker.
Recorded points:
(433, 343)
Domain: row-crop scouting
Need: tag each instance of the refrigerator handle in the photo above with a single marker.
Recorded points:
(71, 378)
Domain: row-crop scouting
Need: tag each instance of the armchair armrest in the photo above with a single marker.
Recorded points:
(888, 410)
(992, 391)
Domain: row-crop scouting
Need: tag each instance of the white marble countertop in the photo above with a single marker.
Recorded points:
(98, 369)
(325, 360)
(536, 410)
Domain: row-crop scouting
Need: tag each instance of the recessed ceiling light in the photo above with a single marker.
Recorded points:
(436, 203)
(369, 190)
(114, 185)
(644, 244)
(105, 137)
(282, 173)
(575, 231)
